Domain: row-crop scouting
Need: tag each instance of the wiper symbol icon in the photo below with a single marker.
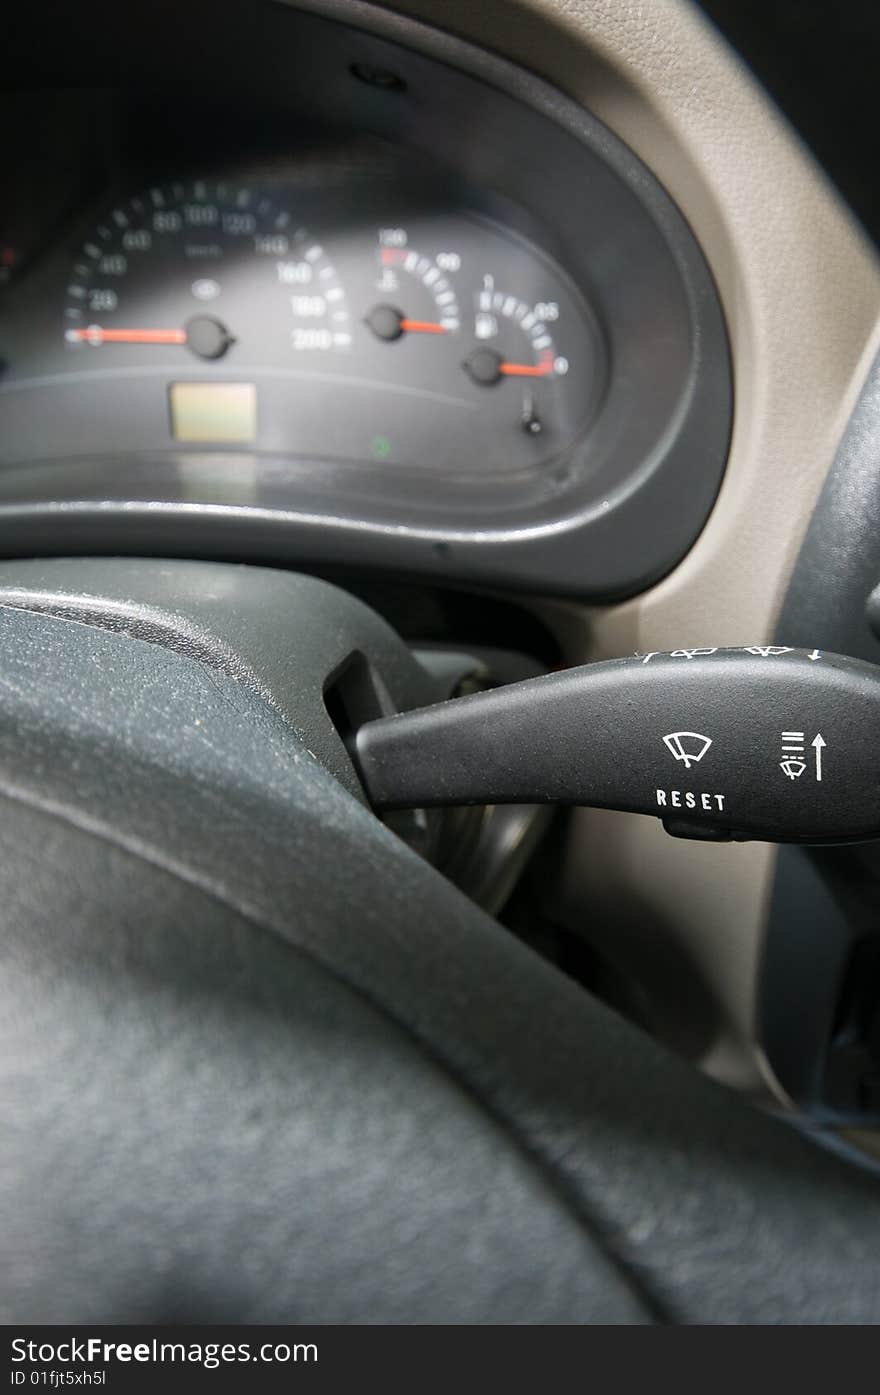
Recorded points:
(687, 746)
(793, 768)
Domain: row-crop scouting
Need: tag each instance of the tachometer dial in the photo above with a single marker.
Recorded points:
(202, 268)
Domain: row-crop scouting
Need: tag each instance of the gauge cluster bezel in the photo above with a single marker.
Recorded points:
(605, 519)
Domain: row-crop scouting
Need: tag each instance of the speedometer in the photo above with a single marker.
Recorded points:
(198, 268)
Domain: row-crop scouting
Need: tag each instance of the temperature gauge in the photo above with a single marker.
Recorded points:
(417, 282)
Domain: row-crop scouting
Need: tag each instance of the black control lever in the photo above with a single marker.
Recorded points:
(765, 742)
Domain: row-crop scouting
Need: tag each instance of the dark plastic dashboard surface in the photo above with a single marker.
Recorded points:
(353, 303)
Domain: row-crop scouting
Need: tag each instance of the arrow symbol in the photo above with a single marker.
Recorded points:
(818, 742)
(814, 656)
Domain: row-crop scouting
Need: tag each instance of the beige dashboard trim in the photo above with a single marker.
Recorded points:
(801, 292)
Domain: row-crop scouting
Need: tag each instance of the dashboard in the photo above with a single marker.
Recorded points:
(312, 317)
(336, 290)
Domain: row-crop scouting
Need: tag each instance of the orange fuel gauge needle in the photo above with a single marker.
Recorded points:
(486, 367)
(525, 370)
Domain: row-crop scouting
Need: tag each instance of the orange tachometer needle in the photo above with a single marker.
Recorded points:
(96, 335)
(421, 327)
(525, 370)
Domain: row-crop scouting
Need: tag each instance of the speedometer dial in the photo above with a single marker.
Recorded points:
(199, 268)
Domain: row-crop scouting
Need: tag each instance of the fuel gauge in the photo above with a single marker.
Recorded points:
(515, 341)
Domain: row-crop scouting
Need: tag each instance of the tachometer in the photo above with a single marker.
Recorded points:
(201, 268)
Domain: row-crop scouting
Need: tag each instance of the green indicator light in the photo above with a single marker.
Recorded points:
(380, 446)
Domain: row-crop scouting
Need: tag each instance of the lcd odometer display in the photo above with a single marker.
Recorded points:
(225, 413)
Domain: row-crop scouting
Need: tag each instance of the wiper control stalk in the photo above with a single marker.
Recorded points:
(765, 742)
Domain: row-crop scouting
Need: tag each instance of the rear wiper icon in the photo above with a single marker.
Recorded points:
(793, 767)
(687, 746)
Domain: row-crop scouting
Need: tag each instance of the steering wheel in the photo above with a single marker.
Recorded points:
(262, 1063)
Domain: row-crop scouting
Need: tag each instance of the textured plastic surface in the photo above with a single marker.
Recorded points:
(182, 1086)
(280, 636)
(260, 1063)
(771, 743)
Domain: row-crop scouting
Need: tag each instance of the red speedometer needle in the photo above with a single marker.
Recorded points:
(203, 336)
(421, 327)
(94, 334)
